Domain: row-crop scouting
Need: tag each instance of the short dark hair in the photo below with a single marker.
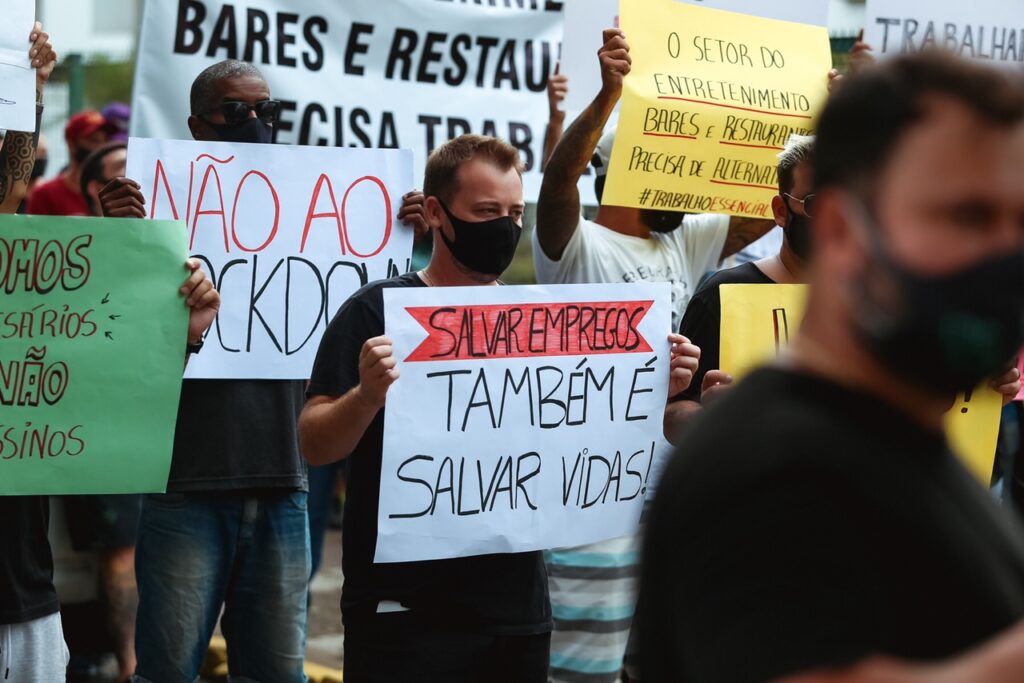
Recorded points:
(92, 169)
(868, 114)
(440, 177)
(798, 149)
(203, 98)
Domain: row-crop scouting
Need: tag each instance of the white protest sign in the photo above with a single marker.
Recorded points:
(286, 234)
(17, 77)
(983, 29)
(585, 20)
(362, 73)
(524, 417)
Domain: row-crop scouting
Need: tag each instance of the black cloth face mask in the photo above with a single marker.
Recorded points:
(484, 247)
(798, 234)
(251, 130)
(660, 221)
(943, 333)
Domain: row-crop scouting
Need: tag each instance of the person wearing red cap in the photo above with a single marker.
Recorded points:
(85, 132)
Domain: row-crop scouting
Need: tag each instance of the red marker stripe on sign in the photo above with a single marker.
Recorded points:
(524, 330)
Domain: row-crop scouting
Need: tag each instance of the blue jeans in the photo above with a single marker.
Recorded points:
(321, 497)
(198, 552)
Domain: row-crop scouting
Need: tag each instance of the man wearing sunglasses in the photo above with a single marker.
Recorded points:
(243, 120)
(232, 530)
(702, 321)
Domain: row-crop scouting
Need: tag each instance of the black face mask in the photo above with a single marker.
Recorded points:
(798, 234)
(485, 247)
(38, 169)
(81, 154)
(946, 333)
(251, 130)
(661, 221)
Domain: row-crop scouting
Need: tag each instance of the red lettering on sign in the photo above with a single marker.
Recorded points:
(523, 330)
(234, 212)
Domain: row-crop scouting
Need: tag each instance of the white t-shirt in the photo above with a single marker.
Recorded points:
(597, 254)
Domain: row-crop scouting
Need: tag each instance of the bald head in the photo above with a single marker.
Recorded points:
(206, 93)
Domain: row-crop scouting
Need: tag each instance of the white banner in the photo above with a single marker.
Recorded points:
(524, 417)
(362, 73)
(991, 30)
(586, 19)
(285, 233)
(17, 77)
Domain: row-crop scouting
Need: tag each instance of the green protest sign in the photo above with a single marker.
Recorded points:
(92, 335)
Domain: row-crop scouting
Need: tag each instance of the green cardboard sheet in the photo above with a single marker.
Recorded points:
(92, 337)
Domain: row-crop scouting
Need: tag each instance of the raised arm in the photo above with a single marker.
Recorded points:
(19, 150)
(558, 87)
(558, 207)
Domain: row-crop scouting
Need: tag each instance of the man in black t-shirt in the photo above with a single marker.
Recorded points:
(702, 320)
(484, 618)
(232, 531)
(815, 516)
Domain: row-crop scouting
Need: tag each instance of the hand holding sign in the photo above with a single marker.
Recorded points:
(1008, 385)
(122, 198)
(685, 360)
(42, 55)
(202, 300)
(714, 385)
(558, 89)
(615, 63)
(377, 371)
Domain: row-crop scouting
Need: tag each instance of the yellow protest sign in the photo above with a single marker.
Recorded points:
(759, 320)
(710, 100)
(757, 323)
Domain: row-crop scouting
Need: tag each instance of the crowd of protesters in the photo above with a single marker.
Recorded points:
(813, 524)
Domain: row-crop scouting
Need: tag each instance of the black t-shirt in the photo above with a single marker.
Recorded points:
(702, 322)
(497, 594)
(238, 435)
(810, 526)
(26, 563)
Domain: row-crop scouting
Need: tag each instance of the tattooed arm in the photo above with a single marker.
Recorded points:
(558, 207)
(19, 151)
(16, 159)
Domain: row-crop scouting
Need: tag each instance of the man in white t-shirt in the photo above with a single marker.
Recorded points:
(678, 249)
(623, 244)
(593, 588)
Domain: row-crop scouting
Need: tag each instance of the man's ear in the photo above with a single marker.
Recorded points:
(779, 210)
(433, 211)
(198, 128)
(836, 234)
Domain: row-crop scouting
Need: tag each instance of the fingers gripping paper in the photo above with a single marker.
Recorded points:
(759, 320)
(523, 418)
(710, 100)
(93, 332)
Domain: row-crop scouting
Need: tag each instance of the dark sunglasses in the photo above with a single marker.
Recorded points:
(807, 202)
(234, 112)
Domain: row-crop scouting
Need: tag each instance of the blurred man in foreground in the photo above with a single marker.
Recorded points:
(836, 524)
